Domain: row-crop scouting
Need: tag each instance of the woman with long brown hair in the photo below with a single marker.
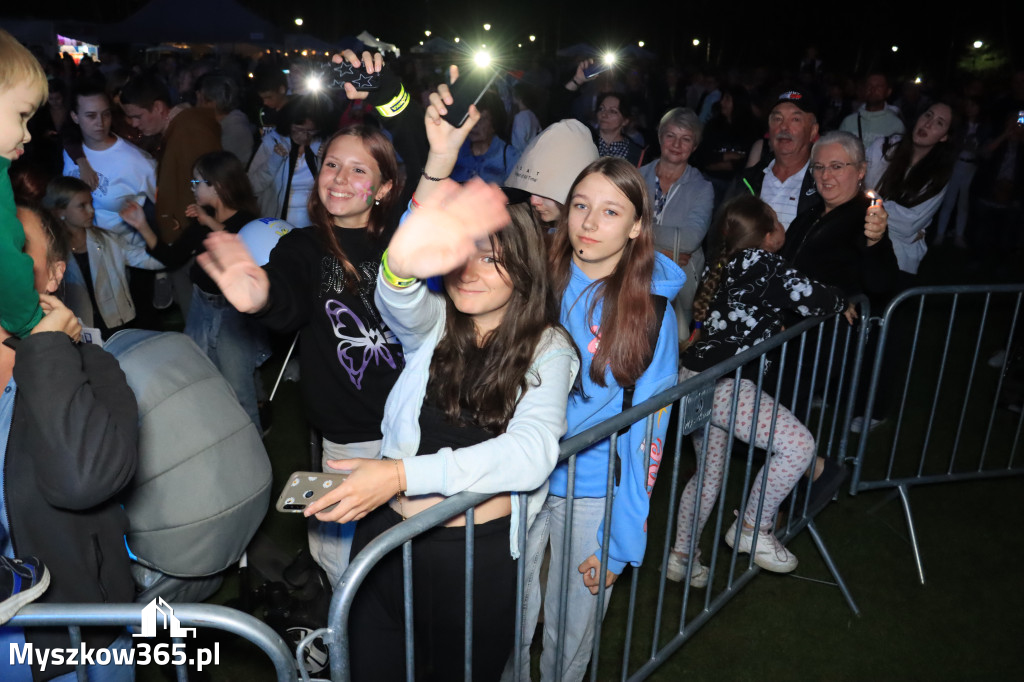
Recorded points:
(321, 281)
(609, 280)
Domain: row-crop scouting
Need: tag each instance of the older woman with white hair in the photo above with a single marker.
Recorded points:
(683, 199)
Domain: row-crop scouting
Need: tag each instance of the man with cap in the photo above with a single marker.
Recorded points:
(782, 179)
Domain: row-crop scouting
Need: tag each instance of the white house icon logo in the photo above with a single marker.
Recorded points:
(158, 608)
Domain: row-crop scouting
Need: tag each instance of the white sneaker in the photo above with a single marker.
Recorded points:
(676, 570)
(857, 424)
(771, 555)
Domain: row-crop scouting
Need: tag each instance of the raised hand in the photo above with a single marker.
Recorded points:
(444, 231)
(372, 62)
(228, 263)
(875, 223)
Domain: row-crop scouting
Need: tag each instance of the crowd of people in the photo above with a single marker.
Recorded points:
(612, 234)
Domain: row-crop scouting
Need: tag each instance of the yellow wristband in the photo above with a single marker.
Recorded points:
(390, 277)
(395, 106)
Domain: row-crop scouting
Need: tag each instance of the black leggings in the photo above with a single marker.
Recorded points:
(377, 639)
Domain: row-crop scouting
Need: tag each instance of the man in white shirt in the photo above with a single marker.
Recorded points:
(782, 179)
(875, 118)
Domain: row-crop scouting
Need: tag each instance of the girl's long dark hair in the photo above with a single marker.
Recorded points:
(483, 382)
(627, 314)
(383, 153)
(741, 224)
(912, 185)
(227, 176)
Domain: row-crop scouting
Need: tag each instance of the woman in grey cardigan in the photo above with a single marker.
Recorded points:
(683, 199)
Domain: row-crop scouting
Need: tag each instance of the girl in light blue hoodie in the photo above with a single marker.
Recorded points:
(609, 278)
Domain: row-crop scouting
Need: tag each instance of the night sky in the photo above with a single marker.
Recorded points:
(741, 34)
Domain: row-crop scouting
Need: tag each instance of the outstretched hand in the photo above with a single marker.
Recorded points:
(372, 62)
(228, 263)
(443, 232)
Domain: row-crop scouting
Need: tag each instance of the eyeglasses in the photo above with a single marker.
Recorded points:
(836, 167)
(195, 183)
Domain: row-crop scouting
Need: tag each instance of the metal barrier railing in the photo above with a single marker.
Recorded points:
(821, 350)
(957, 401)
(76, 616)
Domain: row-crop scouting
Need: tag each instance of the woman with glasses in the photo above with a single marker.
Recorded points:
(224, 202)
(284, 169)
(843, 242)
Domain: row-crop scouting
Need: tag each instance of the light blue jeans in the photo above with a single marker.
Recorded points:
(235, 343)
(581, 607)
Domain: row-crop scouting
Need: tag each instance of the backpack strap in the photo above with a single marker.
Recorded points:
(660, 304)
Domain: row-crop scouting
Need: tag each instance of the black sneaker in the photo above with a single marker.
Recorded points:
(21, 581)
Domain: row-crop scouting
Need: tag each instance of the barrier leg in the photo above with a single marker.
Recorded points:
(905, 501)
(833, 569)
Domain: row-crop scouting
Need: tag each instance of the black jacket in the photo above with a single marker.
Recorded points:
(831, 248)
(749, 181)
(73, 446)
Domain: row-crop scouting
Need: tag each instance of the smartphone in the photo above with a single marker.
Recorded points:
(605, 62)
(306, 487)
(334, 76)
(597, 67)
(467, 91)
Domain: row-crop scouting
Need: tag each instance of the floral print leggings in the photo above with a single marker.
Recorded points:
(792, 453)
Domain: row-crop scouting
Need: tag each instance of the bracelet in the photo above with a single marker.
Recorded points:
(390, 277)
(396, 105)
(398, 479)
(432, 178)
(578, 85)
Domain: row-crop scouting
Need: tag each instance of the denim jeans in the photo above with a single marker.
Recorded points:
(235, 343)
(581, 607)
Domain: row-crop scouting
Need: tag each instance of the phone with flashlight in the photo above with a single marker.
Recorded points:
(306, 487)
(599, 66)
(468, 90)
(334, 76)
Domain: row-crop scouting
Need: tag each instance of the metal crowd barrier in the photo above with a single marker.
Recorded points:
(951, 426)
(824, 359)
(76, 616)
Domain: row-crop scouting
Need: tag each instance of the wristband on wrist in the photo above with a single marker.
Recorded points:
(390, 277)
(432, 178)
(396, 106)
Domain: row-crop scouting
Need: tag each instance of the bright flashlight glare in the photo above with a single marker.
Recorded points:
(482, 58)
(977, 44)
(314, 84)
(609, 58)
